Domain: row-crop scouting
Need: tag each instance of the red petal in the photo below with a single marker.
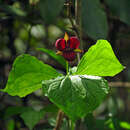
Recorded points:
(60, 44)
(74, 42)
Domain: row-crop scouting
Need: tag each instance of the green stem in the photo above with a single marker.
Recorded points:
(78, 57)
(72, 125)
(78, 4)
(74, 26)
(67, 68)
(78, 13)
(29, 38)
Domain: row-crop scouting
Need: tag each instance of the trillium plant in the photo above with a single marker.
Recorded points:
(77, 93)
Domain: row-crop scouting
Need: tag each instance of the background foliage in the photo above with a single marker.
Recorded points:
(27, 25)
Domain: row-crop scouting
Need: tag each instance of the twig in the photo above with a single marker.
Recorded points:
(29, 38)
(78, 124)
(78, 25)
(60, 116)
(119, 84)
(74, 27)
(78, 4)
(68, 4)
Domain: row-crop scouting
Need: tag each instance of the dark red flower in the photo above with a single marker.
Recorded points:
(67, 47)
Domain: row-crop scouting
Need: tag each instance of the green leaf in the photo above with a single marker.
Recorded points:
(89, 121)
(14, 110)
(121, 9)
(10, 124)
(100, 60)
(50, 9)
(76, 95)
(94, 20)
(51, 53)
(27, 74)
(32, 117)
(51, 108)
(125, 125)
(13, 10)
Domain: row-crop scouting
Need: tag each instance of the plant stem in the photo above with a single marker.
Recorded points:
(78, 4)
(59, 118)
(29, 38)
(72, 125)
(67, 68)
(78, 124)
(69, 15)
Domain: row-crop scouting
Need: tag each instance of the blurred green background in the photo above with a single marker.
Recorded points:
(29, 24)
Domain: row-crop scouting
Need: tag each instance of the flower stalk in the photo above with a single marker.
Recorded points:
(60, 116)
(67, 68)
